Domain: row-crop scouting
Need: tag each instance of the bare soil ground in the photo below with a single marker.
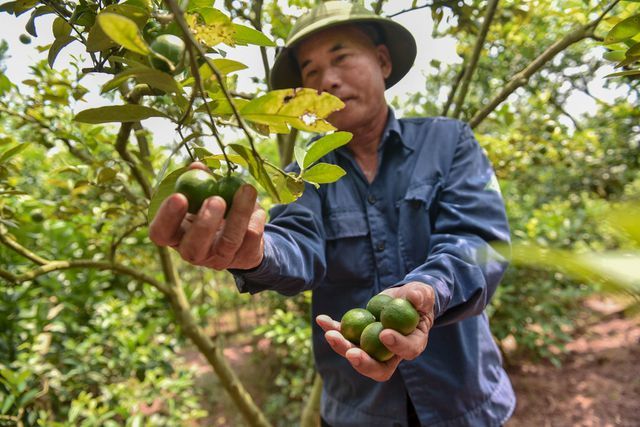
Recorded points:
(598, 385)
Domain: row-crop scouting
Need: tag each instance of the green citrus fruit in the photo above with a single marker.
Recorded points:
(370, 342)
(172, 50)
(227, 188)
(37, 215)
(197, 185)
(353, 323)
(400, 315)
(25, 39)
(377, 303)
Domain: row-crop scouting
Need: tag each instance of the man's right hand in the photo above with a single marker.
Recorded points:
(207, 238)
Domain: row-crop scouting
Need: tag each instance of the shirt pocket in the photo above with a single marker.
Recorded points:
(348, 248)
(415, 220)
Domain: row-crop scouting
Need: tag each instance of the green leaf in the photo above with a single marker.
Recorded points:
(5, 84)
(7, 403)
(223, 65)
(614, 55)
(303, 109)
(60, 28)
(247, 35)
(13, 151)
(325, 145)
(31, 24)
(634, 51)
(98, 40)
(624, 30)
(289, 187)
(299, 154)
(222, 107)
(123, 31)
(117, 113)
(28, 397)
(56, 47)
(164, 190)
(154, 78)
(323, 173)
(625, 219)
(625, 73)
(256, 169)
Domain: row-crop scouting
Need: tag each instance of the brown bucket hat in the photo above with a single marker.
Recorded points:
(402, 46)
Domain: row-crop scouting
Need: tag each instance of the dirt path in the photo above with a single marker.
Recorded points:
(599, 385)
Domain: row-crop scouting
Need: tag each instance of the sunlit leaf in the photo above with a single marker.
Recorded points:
(12, 152)
(124, 32)
(299, 153)
(626, 219)
(323, 173)
(5, 83)
(324, 145)
(634, 51)
(117, 113)
(247, 35)
(60, 28)
(624, 30)
(625, 73)
(614, 55)
(97, 40)
(211, 27)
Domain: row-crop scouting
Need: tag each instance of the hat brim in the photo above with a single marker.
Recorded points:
(285, 72)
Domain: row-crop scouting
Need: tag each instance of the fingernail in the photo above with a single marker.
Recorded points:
(388, 339)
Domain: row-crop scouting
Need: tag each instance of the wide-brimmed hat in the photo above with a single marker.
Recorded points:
(401, 44)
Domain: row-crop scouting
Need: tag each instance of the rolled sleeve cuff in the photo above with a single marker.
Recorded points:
(441, 290)
(256, 279)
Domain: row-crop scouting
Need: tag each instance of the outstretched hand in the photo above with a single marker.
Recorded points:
(404, 347)
(207, 238)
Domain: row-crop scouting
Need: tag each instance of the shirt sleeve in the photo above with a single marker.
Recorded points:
(294, 249)
(461, 265)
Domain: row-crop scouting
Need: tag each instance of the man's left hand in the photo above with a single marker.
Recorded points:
(404, 347)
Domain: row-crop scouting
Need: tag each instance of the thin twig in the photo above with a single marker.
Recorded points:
(21, 250)
(471, 67)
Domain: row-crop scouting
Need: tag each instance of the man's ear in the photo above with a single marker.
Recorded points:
(384, 59)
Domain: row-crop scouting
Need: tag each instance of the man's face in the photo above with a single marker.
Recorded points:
(344, 62)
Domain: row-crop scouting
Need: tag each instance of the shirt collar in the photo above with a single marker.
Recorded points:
(393, 132)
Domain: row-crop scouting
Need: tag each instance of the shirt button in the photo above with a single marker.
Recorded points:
(380, 246)
(372, 199)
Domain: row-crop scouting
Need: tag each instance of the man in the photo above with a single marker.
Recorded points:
(412, 218)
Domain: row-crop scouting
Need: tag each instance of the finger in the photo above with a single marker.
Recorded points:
(196, 242)
(235, 228)
(251, 252)
(407, 347)
(327, 323)
(338, 343)
(199, 165)
(165, 229)
(369, 367)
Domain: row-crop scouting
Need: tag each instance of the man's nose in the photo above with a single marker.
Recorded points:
(330, 81)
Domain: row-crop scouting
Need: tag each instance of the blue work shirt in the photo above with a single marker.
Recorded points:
(428, 216)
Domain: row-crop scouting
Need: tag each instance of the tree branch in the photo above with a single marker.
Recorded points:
(21, 250)
(471, 68)
(454, 88)
(521, 78)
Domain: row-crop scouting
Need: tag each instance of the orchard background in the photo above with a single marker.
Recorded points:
(100, 327)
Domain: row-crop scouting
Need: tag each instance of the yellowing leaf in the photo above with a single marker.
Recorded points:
(302, 109)
(211, 27)
(123, 31)
(324, 173)
(98, 40)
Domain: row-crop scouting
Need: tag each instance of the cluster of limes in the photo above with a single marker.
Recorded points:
(363, 326)
(197, 185)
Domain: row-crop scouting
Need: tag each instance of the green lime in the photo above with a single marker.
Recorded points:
(400, 315)
(172, 49)
(353, 322)
(25, 39)
(370, 342)
(197, 185)
(377, 303)
(227, 188)
(37, 215)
